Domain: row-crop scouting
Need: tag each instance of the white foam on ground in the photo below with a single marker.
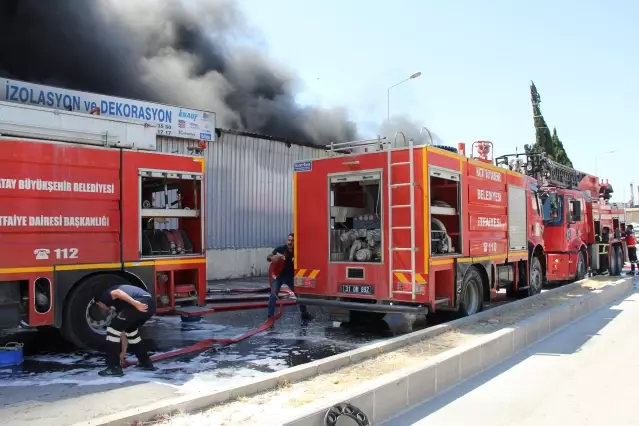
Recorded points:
(210, 370)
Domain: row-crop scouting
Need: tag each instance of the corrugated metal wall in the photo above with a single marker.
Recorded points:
(249, 188)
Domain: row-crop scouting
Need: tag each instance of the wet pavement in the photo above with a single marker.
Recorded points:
(54, 372)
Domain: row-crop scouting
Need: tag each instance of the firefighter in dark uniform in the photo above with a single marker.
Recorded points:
(631, 242)
(285, 276)
(134, 306)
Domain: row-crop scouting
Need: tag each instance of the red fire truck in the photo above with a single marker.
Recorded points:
(413, 229)
(89, 203)
(581, 230)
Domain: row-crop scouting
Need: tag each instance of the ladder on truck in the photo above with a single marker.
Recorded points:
(391, 229)
(377, 145)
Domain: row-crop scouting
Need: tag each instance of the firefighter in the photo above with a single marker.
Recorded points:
(285, 276)
(631, 242)
(134, 306)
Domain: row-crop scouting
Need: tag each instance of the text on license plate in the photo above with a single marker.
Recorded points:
(357, 289)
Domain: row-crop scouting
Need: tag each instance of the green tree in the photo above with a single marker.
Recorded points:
(560, 153)
(543, 139)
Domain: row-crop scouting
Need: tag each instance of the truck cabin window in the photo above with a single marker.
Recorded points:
(355, 217)
(552, 207)
(574, 212)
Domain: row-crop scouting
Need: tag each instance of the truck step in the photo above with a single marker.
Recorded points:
(399, 185)
(401, 163)
(401, 227)
(185, 299)
(441, 300)
(410, 271)
(401, 206)
(403, 249)
(184, 288)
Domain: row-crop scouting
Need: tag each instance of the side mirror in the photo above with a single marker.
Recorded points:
(575, 207)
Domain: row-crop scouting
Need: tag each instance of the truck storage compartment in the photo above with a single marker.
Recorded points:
(445, 200)
(171, 221)
(355, 217)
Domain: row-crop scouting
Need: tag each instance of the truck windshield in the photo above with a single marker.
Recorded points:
(552, 210)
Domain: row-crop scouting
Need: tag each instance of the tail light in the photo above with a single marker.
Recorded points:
(419, 288)
(304, 282)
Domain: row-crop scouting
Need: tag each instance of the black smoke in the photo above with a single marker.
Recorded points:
(197, 54)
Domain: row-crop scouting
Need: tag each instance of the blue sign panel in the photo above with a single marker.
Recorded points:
(304, 166)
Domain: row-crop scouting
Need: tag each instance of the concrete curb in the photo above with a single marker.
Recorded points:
(202, 400)
(386, 397)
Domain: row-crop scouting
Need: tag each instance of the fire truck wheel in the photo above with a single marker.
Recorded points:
(83, 323)
(536, 277)
(581, 266)
(472, 300)
(620, 259)
(613, 268)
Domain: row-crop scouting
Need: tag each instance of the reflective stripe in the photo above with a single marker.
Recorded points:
(132, 334)
(113, 331)
(113, 339)
(136, 340)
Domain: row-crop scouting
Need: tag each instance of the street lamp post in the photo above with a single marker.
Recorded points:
(412, 76)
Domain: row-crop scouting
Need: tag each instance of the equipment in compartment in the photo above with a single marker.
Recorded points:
(166, 242)
(363, 242)
(440, 241)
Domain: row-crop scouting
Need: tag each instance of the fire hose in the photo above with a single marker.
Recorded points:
(274, 270)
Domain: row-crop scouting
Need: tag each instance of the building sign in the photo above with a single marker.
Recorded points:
(168, 120)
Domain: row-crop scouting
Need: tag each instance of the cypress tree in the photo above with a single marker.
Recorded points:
(543, 139)
(560, 153)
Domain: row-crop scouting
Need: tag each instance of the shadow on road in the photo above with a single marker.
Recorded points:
(566, 341)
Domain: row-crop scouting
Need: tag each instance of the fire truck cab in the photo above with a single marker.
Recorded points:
(579, 233)
(88, 203)
(384, 227)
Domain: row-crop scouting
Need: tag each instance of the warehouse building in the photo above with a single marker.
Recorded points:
(249, 197)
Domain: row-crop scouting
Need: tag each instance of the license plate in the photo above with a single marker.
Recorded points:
(357, 289)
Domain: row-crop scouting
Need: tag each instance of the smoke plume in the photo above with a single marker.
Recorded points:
(165, 51)
(410, 129)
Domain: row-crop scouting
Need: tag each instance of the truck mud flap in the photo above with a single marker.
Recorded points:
(366, 307)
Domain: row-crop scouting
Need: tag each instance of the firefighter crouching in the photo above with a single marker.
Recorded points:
(631, 242)
(134, 306)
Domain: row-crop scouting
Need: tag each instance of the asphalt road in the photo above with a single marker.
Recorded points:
(58, 385)
(583, 375)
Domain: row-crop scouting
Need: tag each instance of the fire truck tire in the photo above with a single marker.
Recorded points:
(613, 268)
(581, 266)
(82, 324)
(472, 295)
(620, 259)
(536, 277)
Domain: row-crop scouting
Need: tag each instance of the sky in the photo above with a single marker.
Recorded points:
(477, 60)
